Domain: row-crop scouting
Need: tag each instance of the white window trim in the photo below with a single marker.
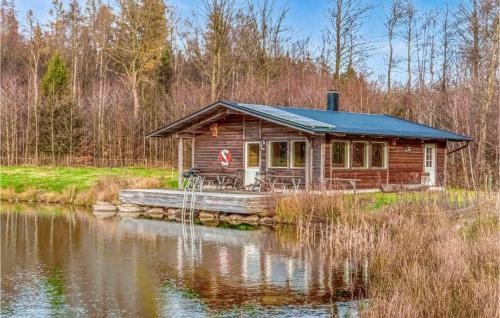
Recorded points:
(269, 160)
(348, 154)
(386, 155)
(292, 146)
(367, 154)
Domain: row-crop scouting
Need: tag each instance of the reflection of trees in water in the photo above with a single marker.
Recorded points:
(122, 264)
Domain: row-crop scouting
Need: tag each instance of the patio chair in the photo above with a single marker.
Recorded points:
(238, 183)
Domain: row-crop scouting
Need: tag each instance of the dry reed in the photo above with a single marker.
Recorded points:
(429, 254)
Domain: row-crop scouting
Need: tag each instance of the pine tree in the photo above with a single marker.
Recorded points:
(55, 80)
(165, 70)
(60, 120)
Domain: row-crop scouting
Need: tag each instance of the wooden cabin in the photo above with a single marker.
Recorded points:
(319, 146)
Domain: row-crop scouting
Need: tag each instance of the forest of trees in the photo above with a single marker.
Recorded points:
(85, 86)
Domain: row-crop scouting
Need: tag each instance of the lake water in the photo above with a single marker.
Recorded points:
(57, 262)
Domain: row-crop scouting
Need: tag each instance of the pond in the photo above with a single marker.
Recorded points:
(62, 262)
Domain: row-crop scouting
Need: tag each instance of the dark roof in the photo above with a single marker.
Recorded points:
(325, 121)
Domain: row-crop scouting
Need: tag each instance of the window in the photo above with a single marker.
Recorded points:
(253, 155)
(428, 157)
(340, 154)
(379, 154)
(298, 154)
(359, 154)
(278, 153)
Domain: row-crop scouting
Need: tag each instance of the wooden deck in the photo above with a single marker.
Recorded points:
(228, 202)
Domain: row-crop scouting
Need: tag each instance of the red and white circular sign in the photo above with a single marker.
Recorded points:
(225, 158)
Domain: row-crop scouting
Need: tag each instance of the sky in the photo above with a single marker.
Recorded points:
(306, 18)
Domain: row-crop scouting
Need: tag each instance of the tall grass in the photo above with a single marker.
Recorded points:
(429, 254)
(104, 189)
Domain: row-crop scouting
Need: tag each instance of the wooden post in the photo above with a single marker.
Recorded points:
(192, 151)
(322, 164)
(180, 163)
(308, 164)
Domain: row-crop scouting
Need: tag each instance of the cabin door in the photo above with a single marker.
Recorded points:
(430, 164)
(252, 161)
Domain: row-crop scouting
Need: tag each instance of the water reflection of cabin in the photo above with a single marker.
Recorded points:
(319, 145)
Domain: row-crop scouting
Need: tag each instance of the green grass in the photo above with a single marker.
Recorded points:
(56, 179)
(378, 200)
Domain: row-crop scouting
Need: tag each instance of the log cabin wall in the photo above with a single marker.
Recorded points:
(229, 136)
(232, 133)
(405, 162)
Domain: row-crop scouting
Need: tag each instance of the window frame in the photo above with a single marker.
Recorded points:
(367, 155)
(292, 153)
(247, 157)
(269, 153)
(385, 154)
(347, 147)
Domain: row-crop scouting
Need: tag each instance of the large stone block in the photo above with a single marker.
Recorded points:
(250, 219)
(155, 213)
(204, 215)
(235, 219)
(173, 211)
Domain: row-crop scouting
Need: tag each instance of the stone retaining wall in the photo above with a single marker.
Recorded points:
(106, 209)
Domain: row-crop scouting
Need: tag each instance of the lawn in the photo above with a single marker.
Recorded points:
(57, 179)
(54, 184)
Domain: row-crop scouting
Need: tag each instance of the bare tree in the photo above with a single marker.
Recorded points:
(408, 32)
(446, 37)
(345, 18)
(393, 19)
(75, 19)
(270, 29)
(35, 45)
(140, 38)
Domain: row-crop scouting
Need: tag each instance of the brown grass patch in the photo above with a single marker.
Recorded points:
(108, 188)
(105, 189)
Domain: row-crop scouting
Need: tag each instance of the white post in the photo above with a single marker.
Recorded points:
(180, 165)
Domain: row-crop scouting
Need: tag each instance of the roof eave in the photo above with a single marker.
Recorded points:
(160, 132)
(459, 139)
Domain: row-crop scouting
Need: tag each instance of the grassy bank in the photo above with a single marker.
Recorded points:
(428, 254)
(78, 185)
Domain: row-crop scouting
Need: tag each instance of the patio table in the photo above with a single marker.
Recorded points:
(275, 179)
(222, 179)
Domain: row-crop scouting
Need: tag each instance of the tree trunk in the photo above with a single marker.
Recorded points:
(338, 39)
(389, 66)
(135, 93)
